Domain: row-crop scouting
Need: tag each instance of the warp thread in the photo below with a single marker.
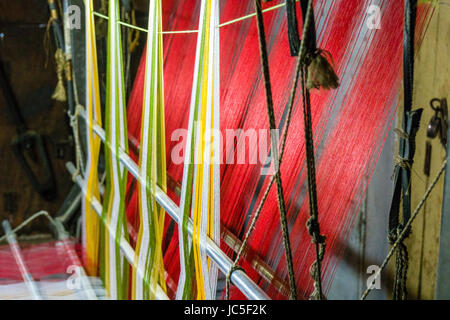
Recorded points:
(232, 213)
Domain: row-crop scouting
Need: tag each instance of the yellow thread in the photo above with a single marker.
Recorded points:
(92, 221)
(251, 15)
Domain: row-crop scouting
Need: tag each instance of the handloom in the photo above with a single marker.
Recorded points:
(245, 146)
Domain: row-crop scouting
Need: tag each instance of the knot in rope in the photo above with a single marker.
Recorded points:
(416, 212)
(46, 41)
(400, 234)
(313, 226)
(400, 291)
(315, 274)
(401, 261)
(403, 162)
(318, 239)
(60, 92)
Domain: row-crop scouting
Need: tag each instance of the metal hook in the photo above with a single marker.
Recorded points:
(439, 122)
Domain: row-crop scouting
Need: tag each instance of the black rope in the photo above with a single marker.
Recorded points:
(313, 225)
(307, 53)
(292, 26)
(272, 126)
(404, 160)
(401, 235)
(250, 229)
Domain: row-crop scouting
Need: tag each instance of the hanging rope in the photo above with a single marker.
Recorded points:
(313, 222)
(400, 291)
(303, 60)
(60, 58)
(404, 232)
(46, 42)
(272, 126)
(60, 92)
(234, 267)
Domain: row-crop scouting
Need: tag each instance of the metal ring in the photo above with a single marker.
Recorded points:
(432, 101)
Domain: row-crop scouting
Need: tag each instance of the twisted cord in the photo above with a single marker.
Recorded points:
(405, 230)
(312, 225)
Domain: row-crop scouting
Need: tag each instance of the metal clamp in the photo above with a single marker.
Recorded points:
(438, 124)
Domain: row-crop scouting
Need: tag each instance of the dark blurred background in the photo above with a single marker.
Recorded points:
(31, 75)
(27, 49)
